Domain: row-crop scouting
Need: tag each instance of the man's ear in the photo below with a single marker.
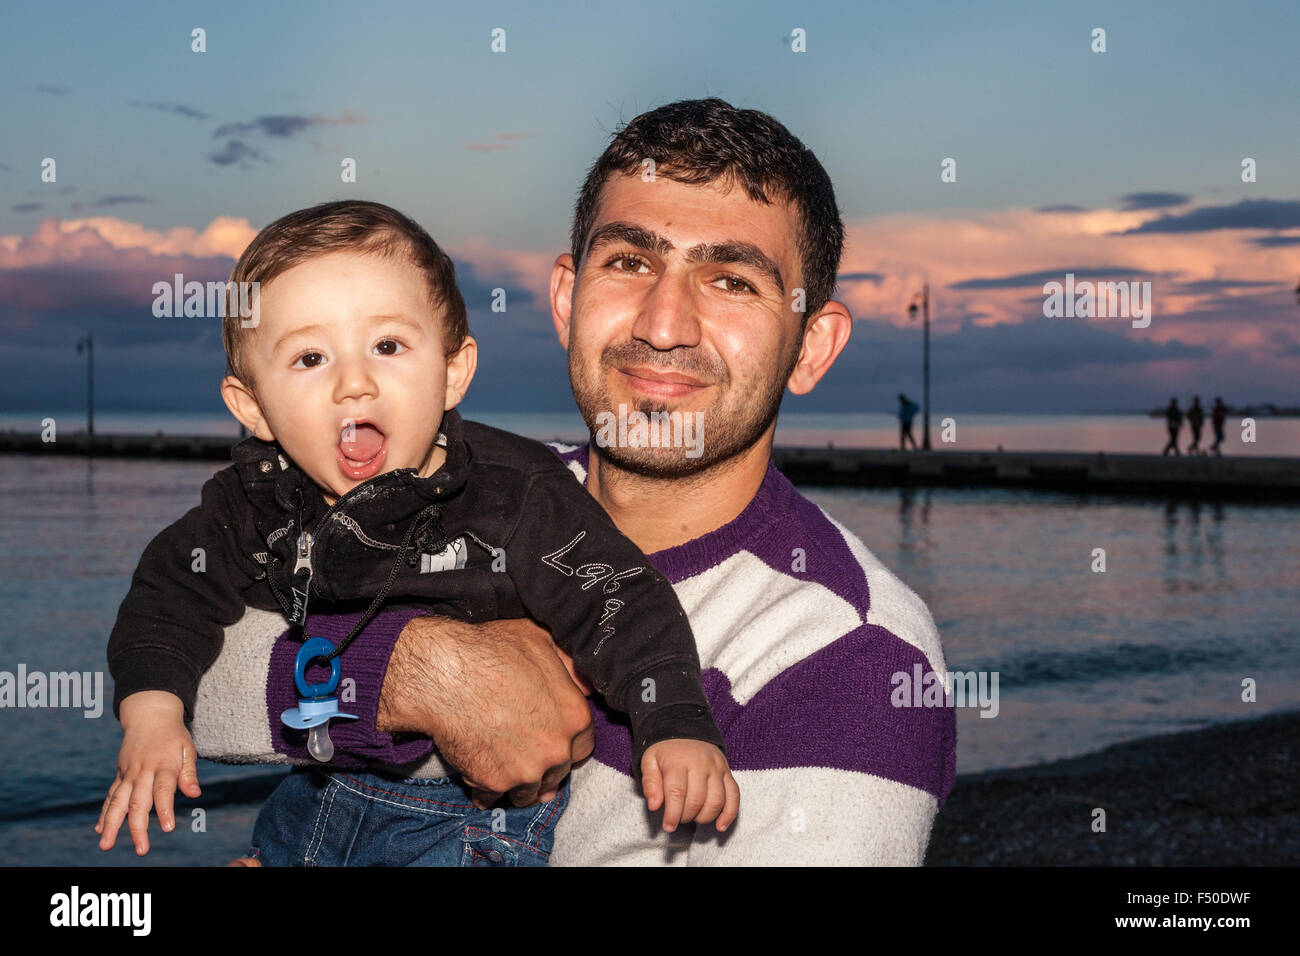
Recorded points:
(243, 404)
(827, 333)
(460, 371)
(563, 277)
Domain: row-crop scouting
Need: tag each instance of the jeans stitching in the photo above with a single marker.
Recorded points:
(537, 818)
(499, 836)
(319, 835)
(404, 806)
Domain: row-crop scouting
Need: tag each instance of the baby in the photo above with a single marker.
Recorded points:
(362, 486)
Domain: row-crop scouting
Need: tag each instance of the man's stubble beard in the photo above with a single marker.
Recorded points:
(728, 431)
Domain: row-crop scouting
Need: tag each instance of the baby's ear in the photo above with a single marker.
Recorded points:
(243, 404)
(460, 371)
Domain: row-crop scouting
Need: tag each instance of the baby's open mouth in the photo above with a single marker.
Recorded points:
(362, 450)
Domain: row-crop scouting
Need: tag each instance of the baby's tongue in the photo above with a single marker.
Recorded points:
(365, 442)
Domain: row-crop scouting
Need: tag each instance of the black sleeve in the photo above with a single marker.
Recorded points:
(170, 626)
(610, 610)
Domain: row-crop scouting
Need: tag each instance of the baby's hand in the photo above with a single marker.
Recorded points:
(157, 751)
(698, 783)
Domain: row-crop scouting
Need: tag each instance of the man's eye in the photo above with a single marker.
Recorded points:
(389, 347)
(309, 360)
(620, 261)
(734, 284)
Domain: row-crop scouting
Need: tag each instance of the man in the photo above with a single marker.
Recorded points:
(907, 410)
(702, 290)
(1195, 421)
(1218, 415)
(1174, 424)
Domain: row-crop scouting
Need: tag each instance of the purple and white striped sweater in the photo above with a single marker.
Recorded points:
(797, 667)
(799, 629)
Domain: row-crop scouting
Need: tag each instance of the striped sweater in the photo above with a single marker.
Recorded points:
(799, 629)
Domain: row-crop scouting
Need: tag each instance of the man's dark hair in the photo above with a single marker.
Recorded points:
(698, 141)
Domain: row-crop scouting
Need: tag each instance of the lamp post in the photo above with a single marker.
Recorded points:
(87, 345)
(923, 297)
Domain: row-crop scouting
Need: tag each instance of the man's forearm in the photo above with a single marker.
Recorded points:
(415, 672)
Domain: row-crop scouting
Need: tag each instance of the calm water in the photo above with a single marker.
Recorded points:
(1195, 598)
(1090, 433)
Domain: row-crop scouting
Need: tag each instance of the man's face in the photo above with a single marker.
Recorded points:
(683, 303)
(349, 369)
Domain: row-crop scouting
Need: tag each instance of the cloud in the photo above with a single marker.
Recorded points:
(500, 141)
(1272, 242)
(1219, 285)
(1153, 200)
(859, 277)
(286, 125)
(27, 206)
(108, 201)
(1246, 214)
(1038, 279)
(1061, 208)
(180, 109)
(98, 275)
(236, 151)
(101, 239)
(51, 90)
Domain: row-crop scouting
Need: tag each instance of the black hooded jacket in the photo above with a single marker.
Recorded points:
(502, 530)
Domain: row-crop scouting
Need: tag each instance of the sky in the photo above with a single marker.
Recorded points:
(1125, 165)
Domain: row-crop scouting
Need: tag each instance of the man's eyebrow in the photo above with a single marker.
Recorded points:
(744, 253)
(633, 235)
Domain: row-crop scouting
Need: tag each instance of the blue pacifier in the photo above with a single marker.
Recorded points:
(317, 704)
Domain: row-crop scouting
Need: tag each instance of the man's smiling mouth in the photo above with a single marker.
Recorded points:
(660, 382)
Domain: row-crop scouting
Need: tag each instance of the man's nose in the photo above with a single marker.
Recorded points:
(668, 317)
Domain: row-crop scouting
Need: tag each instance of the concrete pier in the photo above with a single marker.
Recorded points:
(1203, 476)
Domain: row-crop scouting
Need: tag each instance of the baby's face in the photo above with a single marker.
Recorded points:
(350, 369)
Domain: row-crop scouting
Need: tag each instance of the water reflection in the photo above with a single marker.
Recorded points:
(1187, 545)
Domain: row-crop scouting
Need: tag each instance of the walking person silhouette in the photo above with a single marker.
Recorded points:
(1174, 422)
(907, 410)
(1218, 414)
(1195, 420)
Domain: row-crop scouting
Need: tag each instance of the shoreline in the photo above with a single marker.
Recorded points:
(1224, 795)
(1202, 477)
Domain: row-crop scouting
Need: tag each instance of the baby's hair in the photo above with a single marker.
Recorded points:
(351, 225)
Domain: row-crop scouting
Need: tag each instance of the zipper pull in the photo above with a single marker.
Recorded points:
(301, 582)
(304, 554)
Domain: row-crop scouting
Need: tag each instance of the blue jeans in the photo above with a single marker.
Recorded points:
(319, 817)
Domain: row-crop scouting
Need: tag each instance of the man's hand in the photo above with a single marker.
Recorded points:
(157, 754)
(690, 779)
(499, 699)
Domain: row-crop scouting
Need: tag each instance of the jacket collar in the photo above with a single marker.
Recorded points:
(265, 470)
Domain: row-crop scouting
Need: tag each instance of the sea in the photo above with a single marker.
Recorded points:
(1192, 622)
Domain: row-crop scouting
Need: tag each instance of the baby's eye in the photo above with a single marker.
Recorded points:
(389, 347)
(309, 360)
